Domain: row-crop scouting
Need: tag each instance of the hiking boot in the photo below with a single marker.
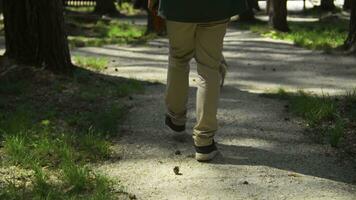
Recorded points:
(205, 153)
(176, 128)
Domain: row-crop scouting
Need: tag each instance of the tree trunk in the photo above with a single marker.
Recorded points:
(35, 35)
(106, 7)
(347, 5)
(327, 5)
(154, 23)
(277, 10)
(350, 43)
(249, 15)
(1, 6)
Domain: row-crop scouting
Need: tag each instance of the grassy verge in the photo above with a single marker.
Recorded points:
(52, 127)
(101, 32)
(312, 35)
(87, 30)
(332, 119)
(125, 8)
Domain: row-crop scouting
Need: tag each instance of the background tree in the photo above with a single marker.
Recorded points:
(347, 5)
(277, 11)
(350, 43)
(249, 15)
(106, 7)
(327, 5)
(154, 23)
(35, 35)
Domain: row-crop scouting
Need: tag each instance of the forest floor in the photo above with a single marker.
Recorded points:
(263, 155)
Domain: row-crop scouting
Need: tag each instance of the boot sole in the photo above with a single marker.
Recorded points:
(206, 157)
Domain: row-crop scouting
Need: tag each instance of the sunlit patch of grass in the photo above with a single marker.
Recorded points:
(108, 32)
(94, 145)
(95, 63)
(80, 8)
(127, 8)
(313, 108)
(52, 132)
(38, 147)
(329, 116)
(311, 35)
(76, 177)
(17, 150)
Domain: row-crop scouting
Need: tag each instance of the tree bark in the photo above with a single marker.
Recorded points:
(327, 5)
(277, 10)
(350, 43)
(1, 6)
(154, 23)
(35, 35)
(106, 7)
(347, 5)
(249, 14)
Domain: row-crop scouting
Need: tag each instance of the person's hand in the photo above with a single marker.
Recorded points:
(152, 5)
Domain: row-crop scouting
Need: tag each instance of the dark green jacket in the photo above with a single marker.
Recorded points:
(200, 10)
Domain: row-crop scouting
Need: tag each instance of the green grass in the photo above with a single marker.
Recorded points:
(313, 108)
(95, 63)
(125, 8)
(311, 35)
(51, 132)
(101, 32)
(329, 116)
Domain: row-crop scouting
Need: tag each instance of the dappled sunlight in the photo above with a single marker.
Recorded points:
(257, 139)
(255, 64)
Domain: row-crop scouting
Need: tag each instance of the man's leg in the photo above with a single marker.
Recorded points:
(209, 45)
(181, 39)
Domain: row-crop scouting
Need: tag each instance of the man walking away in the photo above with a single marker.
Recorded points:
(196, 29)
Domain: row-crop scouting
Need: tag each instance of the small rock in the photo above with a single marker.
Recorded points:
(132, 196)
(176, 170)
(178, 152)
(294, 175)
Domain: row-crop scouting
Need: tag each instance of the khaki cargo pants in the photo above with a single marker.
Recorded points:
(204, 42)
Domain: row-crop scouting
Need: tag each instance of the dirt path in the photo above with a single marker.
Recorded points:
(263, 156)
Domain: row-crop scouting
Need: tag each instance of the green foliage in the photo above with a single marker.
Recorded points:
(350, 105)
(311, 35)
(94, 145)
(323, 113)
(51, 133)
(95, 63)
(127, 8)
(17, 150)
(336, 132)
(106, 32)
(313, 108)
(76, 177)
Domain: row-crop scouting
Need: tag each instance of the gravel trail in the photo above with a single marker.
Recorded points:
(263, 154)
